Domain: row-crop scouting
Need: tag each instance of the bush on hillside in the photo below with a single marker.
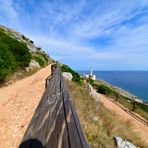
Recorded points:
(45, 56)
(103, 89)
(13, 55)
(41, 59)
(76, 76)
(7, 62)
(21, 53)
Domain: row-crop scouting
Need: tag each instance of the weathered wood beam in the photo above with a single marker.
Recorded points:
(55, 123)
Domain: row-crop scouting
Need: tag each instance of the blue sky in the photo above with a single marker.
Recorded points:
(105, 34)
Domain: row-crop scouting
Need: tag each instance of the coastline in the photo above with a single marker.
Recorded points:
(122, 91)
(117, 89)
(135, 83)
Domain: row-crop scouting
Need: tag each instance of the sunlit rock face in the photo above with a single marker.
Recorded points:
(67, 75)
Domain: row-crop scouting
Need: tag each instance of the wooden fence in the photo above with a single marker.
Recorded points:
(55, 123)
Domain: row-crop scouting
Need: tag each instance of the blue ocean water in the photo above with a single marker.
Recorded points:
(135, 82)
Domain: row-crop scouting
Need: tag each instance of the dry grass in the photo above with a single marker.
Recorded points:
(100, 126)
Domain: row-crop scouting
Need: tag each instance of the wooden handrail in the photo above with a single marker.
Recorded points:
(55, 123)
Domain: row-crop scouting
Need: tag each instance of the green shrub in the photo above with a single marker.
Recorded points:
(7, 62)
(46, 58)
(39, 60)
(13, 55)
(21, 53)
(76, 76)
(19, 50)
(103, 89)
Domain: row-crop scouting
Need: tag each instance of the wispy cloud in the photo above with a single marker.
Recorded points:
(7, 12)
(106, 34)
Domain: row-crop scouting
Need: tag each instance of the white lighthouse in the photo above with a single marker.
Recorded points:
(91, 71)
(91, 74)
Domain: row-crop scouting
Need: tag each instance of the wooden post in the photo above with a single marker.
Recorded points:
(117, 96)
(133, 105)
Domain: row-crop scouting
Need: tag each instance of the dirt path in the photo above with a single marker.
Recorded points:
(17, 105)
(139, 128)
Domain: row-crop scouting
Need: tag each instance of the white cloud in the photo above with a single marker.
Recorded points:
(65, 29)
(6, 7)
(103, 23)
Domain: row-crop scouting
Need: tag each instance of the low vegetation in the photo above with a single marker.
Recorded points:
(76, 77)
(13, 55)
(41, 58)
(103, 89)
(100, 125)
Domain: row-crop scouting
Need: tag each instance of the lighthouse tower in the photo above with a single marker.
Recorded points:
(91, 71)
(91, 74)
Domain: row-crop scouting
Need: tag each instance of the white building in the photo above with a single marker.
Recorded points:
(90, 75)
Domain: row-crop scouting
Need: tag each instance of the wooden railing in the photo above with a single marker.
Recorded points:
(55, 123)
(132, 107)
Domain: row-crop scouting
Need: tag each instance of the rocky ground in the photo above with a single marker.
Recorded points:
(17, 105)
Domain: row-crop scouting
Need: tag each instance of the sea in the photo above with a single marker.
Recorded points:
(135, 82)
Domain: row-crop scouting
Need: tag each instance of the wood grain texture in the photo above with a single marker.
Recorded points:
(55, 123)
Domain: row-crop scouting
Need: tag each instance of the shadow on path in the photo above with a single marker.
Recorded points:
(31, 143)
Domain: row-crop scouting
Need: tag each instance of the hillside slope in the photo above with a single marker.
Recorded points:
(21, 38)
(19, 54)
(103, 121)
